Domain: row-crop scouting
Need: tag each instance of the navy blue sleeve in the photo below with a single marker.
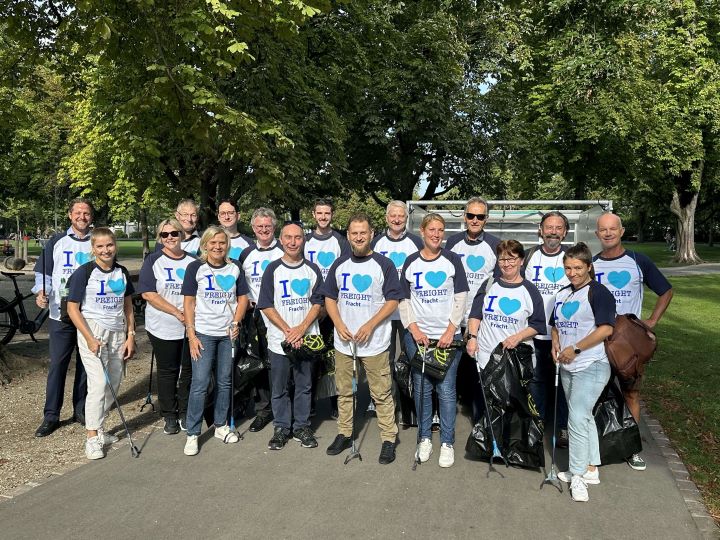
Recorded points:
(345, 248)
(477, 303)
(416, 240)
(391, 283)
(78, 282)
(241, 286)
(454, 239)
(404, 283)
(47, 256)
(148, 280)
(245, 252)
(158, 247)
(375, 240)
(602, 303)
(537, 317)
(461, 284)
(267, 286)
(652, 277)
(316, 298)
(189, 286)
(129, 287)
(493, 242)
(329, 288)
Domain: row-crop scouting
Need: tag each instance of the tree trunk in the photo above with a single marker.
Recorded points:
(641, 219)
(711, 233)
(683, 206)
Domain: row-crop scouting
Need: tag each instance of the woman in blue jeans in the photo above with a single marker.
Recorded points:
(583, 317)
(215, 300)
(435, 292)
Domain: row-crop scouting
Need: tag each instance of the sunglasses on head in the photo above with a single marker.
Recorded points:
(174, 234)
(471, 216)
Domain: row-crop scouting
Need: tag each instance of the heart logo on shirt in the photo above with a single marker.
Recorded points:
(300, 286)
(234, 252)
(554, 274)
(509, 305)
(569, 309)
(435, 279)
(475, 262)
(117, 286)
(180, 272)
(226, 282)
(264, 265)
(81, 257)
(619, 279)
(325, 258)
(361, 282)
(397, 258)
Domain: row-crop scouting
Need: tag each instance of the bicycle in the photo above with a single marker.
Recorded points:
(11, 320)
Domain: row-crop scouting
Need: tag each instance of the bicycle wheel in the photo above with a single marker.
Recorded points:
(8, 322)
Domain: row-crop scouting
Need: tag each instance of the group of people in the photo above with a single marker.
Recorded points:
(371, 295)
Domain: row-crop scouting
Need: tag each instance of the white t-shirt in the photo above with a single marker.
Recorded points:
(101, 294)
(479, 259)
(324, 250)
(164, 275)
(506, 309)
(431, 285)
(237, 245)
(397, 250)
(216, 290)
(624, 277)
(254, 260)
(547, 273)
(292, 291)
(575, 316)
(361, 286)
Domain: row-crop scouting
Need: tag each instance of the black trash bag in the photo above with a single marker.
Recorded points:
(253, 336)
(516, 423)
(403, 379)
(618, 432)
(325, 367)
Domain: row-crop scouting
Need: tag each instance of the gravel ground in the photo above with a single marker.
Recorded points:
(25, 458)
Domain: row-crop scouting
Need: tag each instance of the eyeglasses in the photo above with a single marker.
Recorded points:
(227, 214)
(165, 234)
(479, 217)
(187, 216)
(511, 260)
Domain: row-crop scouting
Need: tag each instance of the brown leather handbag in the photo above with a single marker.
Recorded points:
(630, 347)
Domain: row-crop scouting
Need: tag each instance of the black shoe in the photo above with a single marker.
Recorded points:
(79, 418)
(279, 439)
(171, 426)
(46, 428)
(563, 441)
(259, 423)
(305, 437)
(387, 453)
(340, 443)
(183, 422)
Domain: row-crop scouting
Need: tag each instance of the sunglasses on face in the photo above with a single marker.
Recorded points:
(479, 217)
(174, 234)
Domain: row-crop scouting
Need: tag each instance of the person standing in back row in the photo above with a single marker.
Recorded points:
(625, 273)
(228, 220)
(60, 257)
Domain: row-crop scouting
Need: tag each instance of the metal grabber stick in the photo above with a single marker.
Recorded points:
(354, 453)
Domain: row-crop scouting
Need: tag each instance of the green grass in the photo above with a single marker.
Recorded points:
(659, 253)
(681, 387)
(127, 249)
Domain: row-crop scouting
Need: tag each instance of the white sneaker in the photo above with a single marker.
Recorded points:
(424, 450)
(107, 438)
(191, 445)
(223, 433)
(590, 477)
(578, 488)
(447, 455)
(94, 448)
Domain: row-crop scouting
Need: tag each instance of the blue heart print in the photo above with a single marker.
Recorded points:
(226, 282)
(475, 262)
(361, 282)
(569, 309)
(554, 274)
(300, 286)
(509, 305)
(435, 279)
(398, 258)
(180, 272)
(117, 286)
(264, 265)
(81, 257)
(235, 253)
(325, 258)
(619, 279)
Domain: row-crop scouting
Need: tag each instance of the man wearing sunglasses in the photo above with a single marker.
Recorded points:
(228, 220)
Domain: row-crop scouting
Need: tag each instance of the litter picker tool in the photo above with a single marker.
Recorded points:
(232, 389)
(495, 450)
(416, 459)
(552, 477)
(148, 398)
(354, 453)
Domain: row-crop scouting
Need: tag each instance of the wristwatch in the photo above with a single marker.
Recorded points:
(576, 349)
(472, 336)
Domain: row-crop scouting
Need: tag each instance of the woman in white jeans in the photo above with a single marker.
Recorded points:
(100, 307)
(583, 317)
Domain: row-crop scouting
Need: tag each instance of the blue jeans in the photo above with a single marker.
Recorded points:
(582, 389)
(216, 353)
(280, 368)
(447, 395)
(542, 387)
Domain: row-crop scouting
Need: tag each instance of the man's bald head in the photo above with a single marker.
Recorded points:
(609, 231)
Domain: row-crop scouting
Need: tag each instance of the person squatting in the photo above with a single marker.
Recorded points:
(293, 298)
